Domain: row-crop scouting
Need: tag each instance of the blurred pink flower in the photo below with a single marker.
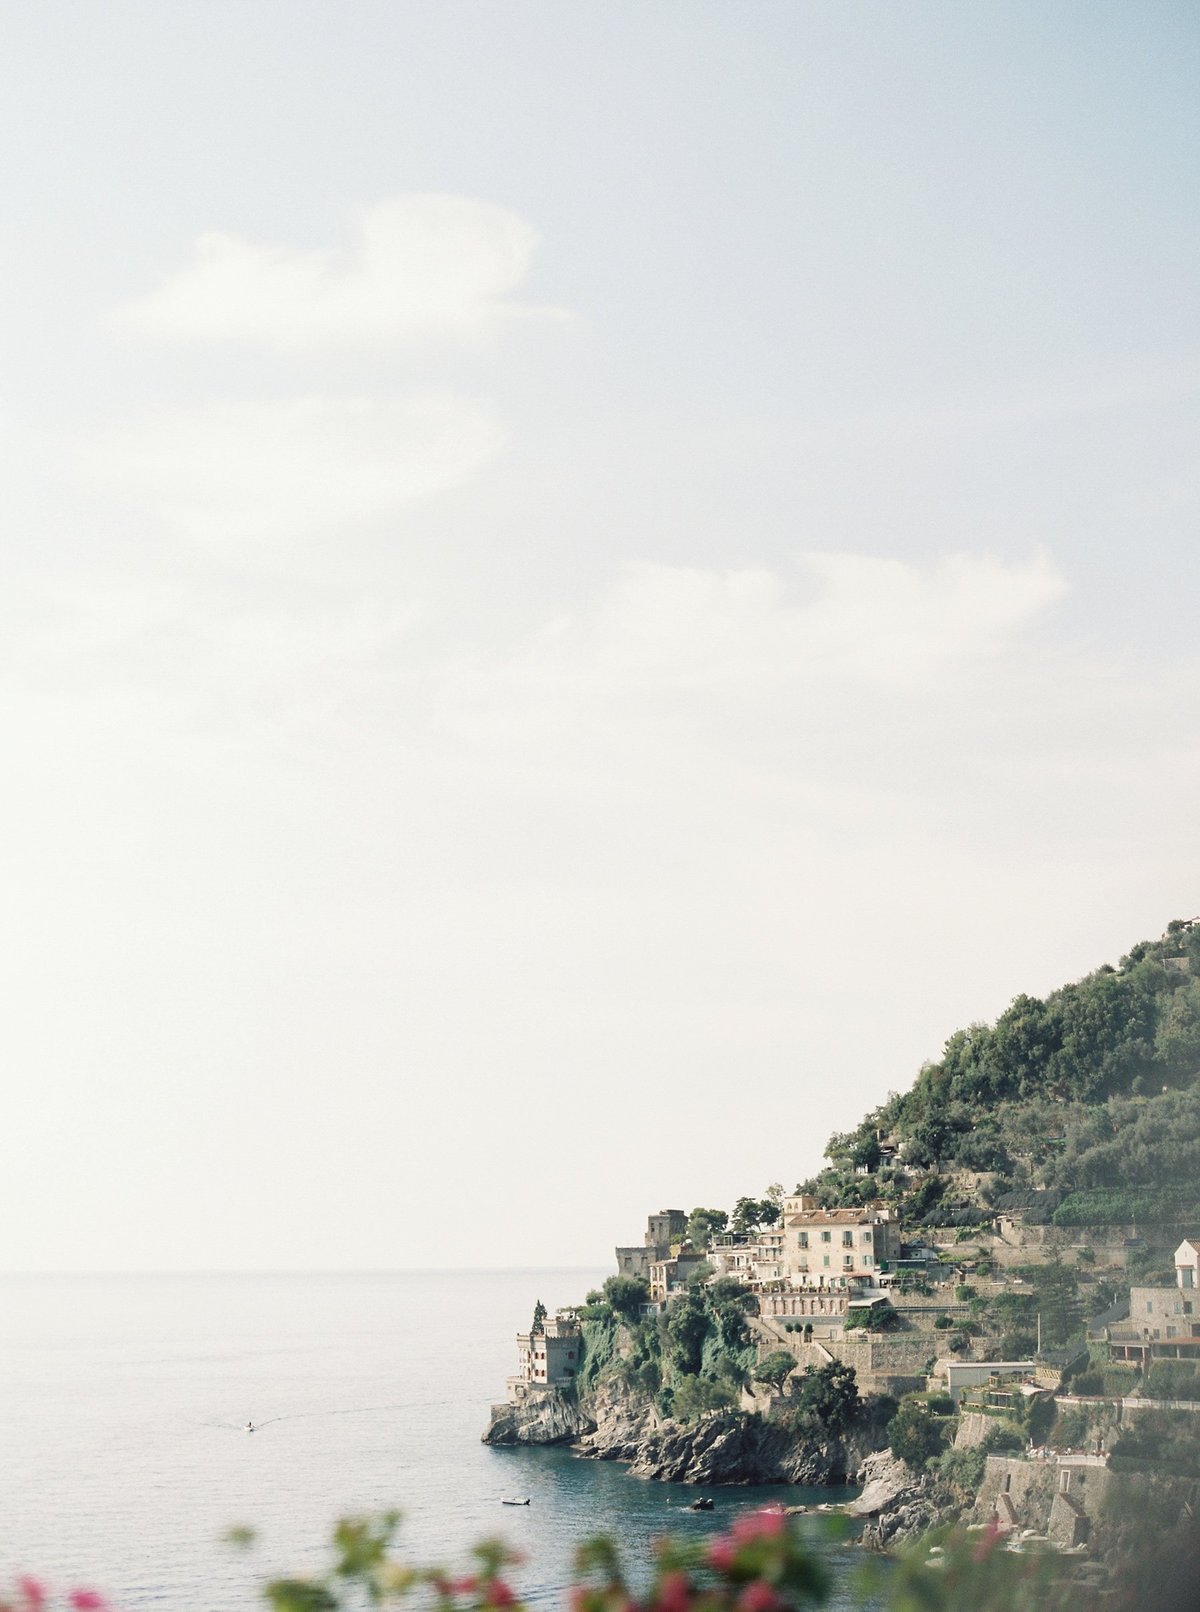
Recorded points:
(721, 1552)
(33, 1592)
(87, 1601)
(674, 1593)
(987, 1542)
(758, 1525)
(497, 1593)
(759, 1597)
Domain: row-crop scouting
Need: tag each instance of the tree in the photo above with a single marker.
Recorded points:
(751, 1213)
(914, 1437)
(828, 1398)
(699, 1396)
(539, 1318)
(687, 1326)
(702, 1223)
(1057, 1302)
(1017, 1345)
(626, 1295)
(866, 1154)
(775, 1369)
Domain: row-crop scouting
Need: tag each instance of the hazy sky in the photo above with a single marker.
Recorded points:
(581, 584)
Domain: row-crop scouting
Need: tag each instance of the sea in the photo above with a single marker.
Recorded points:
(125, 1459)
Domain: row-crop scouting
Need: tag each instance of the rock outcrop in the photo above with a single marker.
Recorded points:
(739, 1449)
(729, 1448)
(896, 1503)
(540, 1416)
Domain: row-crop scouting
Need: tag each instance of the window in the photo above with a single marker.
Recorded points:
(804, 1239)
(866, 1259)
(826, 1236)
(825, 1262)
(848, 1261)
(1149, 1306)
(847, 1239)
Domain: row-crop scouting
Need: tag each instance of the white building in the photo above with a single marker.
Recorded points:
(837, 1247)
(551, 1355)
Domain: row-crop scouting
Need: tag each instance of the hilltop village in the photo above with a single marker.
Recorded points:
(843, 1284)
(984, 1307)
(903, 1348)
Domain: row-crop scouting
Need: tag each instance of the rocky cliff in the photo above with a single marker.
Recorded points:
(613, 1424)
(897, 1503)
(540, 1416)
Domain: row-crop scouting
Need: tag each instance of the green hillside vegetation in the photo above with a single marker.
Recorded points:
(1090, 1097)
(691, 1360)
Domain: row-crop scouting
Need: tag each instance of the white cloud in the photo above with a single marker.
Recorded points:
(270, 472)
(667, 632)
(422, 264)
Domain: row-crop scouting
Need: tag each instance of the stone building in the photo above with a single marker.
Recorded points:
(663, 1230)
(837, 1247)
(756, 1261)
(1164, 1322)
(670, 1275)
(549, 1357)
(666, 1227)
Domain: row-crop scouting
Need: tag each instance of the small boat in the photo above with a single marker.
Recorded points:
(703, 1504)
(523, 1502)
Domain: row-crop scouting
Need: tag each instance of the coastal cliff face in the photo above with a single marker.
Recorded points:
(540, 1416)
(613, 1424)
(896, 1504)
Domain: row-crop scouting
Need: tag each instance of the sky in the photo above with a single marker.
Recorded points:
(580, 585)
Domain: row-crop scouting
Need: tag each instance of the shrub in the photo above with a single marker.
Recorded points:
(775, 1369)
(962, 1470)
(877, 1411)
(1004, 1436)
(626, 1295)
(1017, 1345)
(879, 1318)
(914, 1436)
(1119, 1380)
(696, 1397)
(1039, 1418)
(1125, 1206)
(1173, 1379)
(828, 1398)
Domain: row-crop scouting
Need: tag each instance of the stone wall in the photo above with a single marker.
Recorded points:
(1027, 1489)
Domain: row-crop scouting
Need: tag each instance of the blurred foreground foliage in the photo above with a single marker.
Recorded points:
(767, 1561)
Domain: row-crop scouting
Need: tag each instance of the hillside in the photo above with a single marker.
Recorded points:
(1084, 1107)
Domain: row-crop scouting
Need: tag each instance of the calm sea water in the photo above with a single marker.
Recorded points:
(123, 1404)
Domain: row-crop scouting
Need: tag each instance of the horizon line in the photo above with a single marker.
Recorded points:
(375, 1270)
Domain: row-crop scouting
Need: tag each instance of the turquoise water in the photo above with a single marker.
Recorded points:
(123, 1404)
